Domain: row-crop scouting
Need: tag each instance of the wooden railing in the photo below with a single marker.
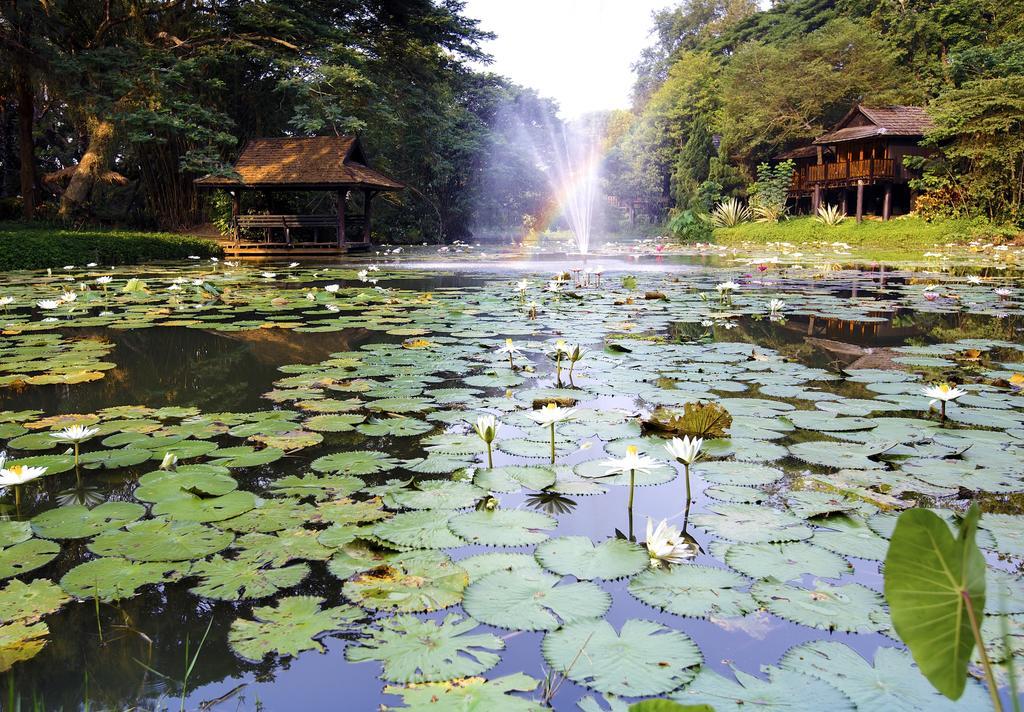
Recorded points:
(245, 224)
(850, 171)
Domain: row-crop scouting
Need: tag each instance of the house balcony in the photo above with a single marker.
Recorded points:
(842, 174)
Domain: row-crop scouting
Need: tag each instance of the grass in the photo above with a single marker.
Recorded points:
(903, 238)
(34, 246)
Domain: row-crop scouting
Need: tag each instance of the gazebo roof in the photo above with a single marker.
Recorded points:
(302, 163)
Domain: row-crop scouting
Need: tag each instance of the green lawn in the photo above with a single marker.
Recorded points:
(30, 246)
(904, 238)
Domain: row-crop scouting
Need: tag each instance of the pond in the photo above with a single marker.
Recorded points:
(280, 502)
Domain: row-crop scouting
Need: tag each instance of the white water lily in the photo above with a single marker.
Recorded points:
(974, 279)
(686, 450)
(942, 393)
(549, 415)
(666, 544)
(74, 433)
(268, 275)
(776, 305)
(632, 462)
(1001, 292)
(19, 475)
(727, 287)
(362, 275)
(293, 265)
(510, 350)
(169, 461)
(6, 301)
(68, 297)
(104, 280)
(48, 304)
(487, 429)
(332, 288)
(522, 285)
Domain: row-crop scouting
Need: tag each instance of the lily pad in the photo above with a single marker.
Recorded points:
(692, 590)
(644, 659)
(522, 599)
(114, 579)
(471, 693)
(578, 556)
(288, 628)
(161, 539)
(414, 650)
(409, 583)
(27, 556)
(850, 607)
(502, 527)
(78, 522)
(244, 578)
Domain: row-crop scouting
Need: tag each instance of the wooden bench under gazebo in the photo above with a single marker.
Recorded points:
(319, 163)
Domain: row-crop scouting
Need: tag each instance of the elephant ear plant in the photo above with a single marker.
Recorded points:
(935, 586)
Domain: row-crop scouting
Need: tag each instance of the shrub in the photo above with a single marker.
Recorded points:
(688, 226)
(31, 246)
(830, 215)
(730, 213)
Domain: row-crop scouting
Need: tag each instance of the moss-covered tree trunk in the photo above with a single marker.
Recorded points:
(94, 164)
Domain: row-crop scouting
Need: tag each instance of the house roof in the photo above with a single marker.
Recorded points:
(798, 153)
(302, 163)
(890, 120)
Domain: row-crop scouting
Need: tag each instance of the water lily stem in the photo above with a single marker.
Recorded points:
(17, 499)
(686, 469)
(942, 417)
(552, 443)
(632, 482)
(990, 679)
(490, 458)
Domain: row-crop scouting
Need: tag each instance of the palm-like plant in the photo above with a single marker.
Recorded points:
(770, 212)
(730, 213)
(830, 215)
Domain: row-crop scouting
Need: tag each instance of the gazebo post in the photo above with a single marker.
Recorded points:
(342, 194)
(367, 197)
(236, 209)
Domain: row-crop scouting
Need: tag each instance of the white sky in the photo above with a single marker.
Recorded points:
(578, 52)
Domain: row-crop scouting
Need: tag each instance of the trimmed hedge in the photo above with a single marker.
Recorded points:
(24, 246)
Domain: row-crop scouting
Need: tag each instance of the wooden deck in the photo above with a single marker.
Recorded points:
(267, 236)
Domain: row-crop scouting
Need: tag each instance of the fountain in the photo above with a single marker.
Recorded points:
(574, 177)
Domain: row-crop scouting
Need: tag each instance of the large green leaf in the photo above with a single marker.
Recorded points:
(415, 650)
(473, 694)
(20, 601)
(849, 607)
(578, 556)
(161, 539)
(645, 659)
(410, 582)
(781, 691)
(692, 590)
(892, 683)
(78, 522)
(244, 578)
(114, 579)
(934, 583)
(27, 556)
(502, 527)
(525, 599)
(425, 529)
(288, 628)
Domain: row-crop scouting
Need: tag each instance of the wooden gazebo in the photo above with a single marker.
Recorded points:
(320, 163)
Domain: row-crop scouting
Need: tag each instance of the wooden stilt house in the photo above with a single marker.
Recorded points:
(858, 165)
